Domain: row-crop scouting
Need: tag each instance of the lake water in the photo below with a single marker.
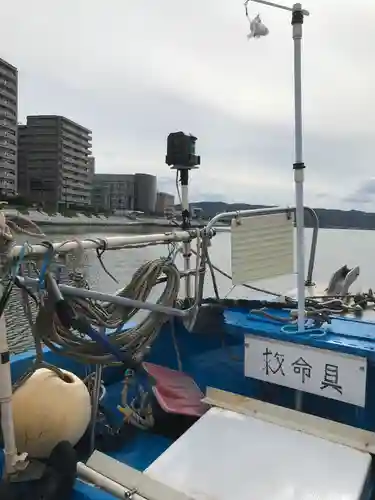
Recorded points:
(335, 248)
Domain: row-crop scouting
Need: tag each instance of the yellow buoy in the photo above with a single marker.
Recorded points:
(48, 409)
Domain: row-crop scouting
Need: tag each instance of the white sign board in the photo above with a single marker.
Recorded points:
(317, 371)
(261, 247)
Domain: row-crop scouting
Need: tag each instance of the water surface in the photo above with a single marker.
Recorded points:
(335, 248)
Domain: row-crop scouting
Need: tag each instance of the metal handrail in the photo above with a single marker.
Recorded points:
(106, 297)
(109, 243)
(275, 210)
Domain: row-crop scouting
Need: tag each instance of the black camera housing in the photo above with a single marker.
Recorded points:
(181, 151)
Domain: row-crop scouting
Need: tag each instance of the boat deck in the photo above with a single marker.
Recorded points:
(218, 359)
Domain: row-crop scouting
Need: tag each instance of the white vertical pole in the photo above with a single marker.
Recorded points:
(186, 246)
(7, 427)
(298, 166)
(297, 21)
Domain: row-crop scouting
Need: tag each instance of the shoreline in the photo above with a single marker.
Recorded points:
(124, 222)
(98, 221)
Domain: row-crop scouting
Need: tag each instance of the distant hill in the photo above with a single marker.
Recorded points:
(335, 219)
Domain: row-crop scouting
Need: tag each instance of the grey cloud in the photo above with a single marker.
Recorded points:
(321, 196)
(147, 115)
(104, 72)
(363, 195)
(197, 192)
(130, 127)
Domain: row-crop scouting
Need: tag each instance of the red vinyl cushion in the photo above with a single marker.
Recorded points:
(175, 391)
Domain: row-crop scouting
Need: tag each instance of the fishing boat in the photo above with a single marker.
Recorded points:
(204, 398)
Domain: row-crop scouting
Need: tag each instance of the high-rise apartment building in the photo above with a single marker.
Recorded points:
(55, 166)
(113, 192)
(8, 128)
(92, 167)
(164, 203)
(129, 192)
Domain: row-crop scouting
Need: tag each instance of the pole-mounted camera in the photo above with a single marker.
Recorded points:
(182, 158)
(181, 155)
(181, 151)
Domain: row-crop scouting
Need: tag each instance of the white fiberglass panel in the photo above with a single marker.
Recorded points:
(261, 247)
(231, 456)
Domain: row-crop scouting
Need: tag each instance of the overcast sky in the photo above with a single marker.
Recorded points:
(134, 70)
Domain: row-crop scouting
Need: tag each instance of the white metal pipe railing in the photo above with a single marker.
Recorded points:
(104, 483)
(106, 297)
(110, 243)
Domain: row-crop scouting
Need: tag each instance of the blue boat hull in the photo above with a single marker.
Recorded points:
(216, 359)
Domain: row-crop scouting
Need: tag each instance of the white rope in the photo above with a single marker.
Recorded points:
(48, 330)
(11, 224)
(135, 341)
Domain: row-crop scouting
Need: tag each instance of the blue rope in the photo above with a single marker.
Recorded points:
(43, 270)
(312, 331)
(17, 265)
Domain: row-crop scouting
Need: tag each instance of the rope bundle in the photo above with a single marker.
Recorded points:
(135, 341)
(46, 327)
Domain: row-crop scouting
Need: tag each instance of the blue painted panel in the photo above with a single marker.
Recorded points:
(216, 358)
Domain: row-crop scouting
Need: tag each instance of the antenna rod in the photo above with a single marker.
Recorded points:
(299, 166)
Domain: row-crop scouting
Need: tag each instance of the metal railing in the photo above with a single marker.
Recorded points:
(110, 243)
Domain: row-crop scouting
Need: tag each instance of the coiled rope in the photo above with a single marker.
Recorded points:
(46, 327)
(135, 341)
(11, 224)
